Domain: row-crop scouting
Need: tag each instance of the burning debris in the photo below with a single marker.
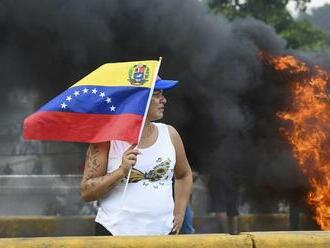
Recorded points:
(309, 132)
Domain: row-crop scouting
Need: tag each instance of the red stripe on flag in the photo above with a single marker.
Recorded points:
(79, 127)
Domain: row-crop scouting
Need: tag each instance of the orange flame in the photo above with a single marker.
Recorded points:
(309, 134)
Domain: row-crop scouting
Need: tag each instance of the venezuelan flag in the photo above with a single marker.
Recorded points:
(108, 104)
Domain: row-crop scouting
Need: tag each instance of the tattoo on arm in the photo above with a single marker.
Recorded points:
(92, 160)
(92, 183)
(96, 182)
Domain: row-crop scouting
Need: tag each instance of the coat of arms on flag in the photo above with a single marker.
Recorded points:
(102, 106)
(138, 74)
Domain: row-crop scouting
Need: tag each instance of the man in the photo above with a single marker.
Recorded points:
(147, 207)
(224, 200)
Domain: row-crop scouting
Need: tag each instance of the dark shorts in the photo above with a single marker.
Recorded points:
(102, 231)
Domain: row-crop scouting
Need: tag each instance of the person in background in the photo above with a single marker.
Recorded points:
(223, 191)
(187, 226)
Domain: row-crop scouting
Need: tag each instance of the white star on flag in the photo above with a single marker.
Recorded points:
(112, 108)
(69, 98)
(94, 91)
(102, 94)
(63, 105)
(108, 100)
(85, 90)
(76, 93)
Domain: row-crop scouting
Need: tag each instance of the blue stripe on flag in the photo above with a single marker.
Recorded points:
(100, 100)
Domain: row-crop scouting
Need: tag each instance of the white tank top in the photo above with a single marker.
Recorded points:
(147, 208)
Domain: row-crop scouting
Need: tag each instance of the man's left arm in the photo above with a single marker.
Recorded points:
(183, 181)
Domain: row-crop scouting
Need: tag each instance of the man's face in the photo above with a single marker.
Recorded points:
(157, 106)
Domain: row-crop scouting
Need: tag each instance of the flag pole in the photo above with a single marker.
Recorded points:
(149, 99)
(143, 122)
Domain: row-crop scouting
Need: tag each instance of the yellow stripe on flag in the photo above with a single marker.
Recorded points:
(120, 74)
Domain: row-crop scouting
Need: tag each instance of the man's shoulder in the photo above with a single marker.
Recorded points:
(175, 136)
(171, 129)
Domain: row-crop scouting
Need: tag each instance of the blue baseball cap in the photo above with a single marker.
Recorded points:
(164, 84)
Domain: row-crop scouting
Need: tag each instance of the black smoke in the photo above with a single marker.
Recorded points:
(225, 106)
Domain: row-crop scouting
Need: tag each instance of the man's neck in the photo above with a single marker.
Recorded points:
(147, 129)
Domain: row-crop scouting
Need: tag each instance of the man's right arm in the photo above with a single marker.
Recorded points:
(96, 182)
